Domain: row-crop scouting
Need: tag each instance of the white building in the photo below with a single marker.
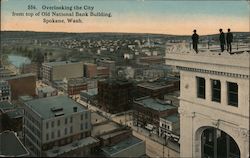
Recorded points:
(51, 124)
(47, 91)
(5, 92)
(214, 102)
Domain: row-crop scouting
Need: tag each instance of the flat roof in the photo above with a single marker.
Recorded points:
(58, 63)
(5, 105)
(154, 85)
(127, 143)
(172, 118)
(16, 113)
(56, 151)
(10, 145)
(90, 92)
(154, 104)
(20, 76)
(43, 106)
(46, 89)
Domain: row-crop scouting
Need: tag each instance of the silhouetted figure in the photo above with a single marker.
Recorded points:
(229, 41)
(222, 40)
(195, 38)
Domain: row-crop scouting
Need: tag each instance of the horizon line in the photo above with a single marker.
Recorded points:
(115, 32)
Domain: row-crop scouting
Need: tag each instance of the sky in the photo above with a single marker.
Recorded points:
(135, 16)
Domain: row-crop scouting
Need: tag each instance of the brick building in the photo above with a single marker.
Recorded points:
(115, 95)
(24, 84)
(148, 111)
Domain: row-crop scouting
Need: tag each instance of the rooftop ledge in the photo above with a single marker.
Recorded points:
(182, 55)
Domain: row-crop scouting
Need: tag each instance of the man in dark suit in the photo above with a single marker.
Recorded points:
(229, 41)
(195, 38)
(222, 40)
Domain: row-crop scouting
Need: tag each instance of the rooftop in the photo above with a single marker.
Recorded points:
(58, 63)
(20, 76)
(154, 104)
(172, 118)
(5, 105)
(90, 92)
(57, 151)
(212, 59)
(154, 85)
(16, 113)
(11, 146)
(127, 143)
(46, 89)
(54, 106)
(104, 127)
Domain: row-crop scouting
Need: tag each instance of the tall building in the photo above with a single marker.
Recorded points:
(24, 84)
(57, 126)
(115, 95)
(59, 70)
(90, 70)
(5, 91)
(214, 102)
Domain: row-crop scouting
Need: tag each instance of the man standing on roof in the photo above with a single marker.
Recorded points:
(222, 40)
(229, 41)
(195, 38)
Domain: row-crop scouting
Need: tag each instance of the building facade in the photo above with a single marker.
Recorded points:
(51, 124)
(214, 102)
(24, 84)
(115, 95)
(59, 70)
(148, 111)
(5, 91)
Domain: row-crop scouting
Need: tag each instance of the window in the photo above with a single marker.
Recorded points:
(71, 119)
(58, 133)
(65, 131)
(47, 125)
(71, 129)
(81, 126)
(47, 136)
(232, 93)
(216, 88)
(201, 88)
(86, 125)
(66, 121)
(81, 116)
(52, 124)
(52, 135)
(58, 122)
(86, 115)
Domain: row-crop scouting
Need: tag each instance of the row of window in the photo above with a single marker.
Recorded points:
(65, 121)
(59, 133)
(232, 91)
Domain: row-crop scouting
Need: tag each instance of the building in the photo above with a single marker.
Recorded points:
(89, 95)
(33, 67)
(5, 91)
(170, 127)
(11, 146)
(24, 84)
(214, 101)
(103, 71)
(157, 89)
(57, 126)
(59, 70)
(130, 147)
(47, 91)
(152, 60)
(148, 111)
(90, 70)
(107, 63)
(75, 86)
(115, 95)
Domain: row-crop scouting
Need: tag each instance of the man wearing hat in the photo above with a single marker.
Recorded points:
(195, 38)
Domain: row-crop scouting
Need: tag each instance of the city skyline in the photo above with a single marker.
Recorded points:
(163, 17)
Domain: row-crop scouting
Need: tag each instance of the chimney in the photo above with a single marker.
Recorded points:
(75, 109)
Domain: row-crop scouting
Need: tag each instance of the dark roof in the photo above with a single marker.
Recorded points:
(10, 145)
